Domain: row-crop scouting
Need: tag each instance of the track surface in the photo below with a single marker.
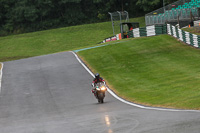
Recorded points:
(51, 94)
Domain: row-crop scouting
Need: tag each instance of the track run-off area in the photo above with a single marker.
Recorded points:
(52, 94)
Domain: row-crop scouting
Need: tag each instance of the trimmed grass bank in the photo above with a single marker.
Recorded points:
(157, 71)
(193, 30)
(56, 40)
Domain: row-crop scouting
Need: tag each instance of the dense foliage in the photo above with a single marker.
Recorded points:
(17, 16)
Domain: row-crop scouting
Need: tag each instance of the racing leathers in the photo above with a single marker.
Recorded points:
(95, 81)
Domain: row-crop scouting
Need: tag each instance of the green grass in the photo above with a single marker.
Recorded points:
(193, 30)
(56, 40)
(158, 71)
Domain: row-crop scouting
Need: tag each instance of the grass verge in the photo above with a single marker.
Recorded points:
(193, 30)
(157, 71)
(51, 41)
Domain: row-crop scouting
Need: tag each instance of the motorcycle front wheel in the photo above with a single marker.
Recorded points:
(100, 101)
(101, 97)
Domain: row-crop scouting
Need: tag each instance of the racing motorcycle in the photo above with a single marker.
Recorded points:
(100, 92)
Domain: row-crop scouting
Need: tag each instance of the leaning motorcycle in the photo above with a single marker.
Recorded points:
(100, 92)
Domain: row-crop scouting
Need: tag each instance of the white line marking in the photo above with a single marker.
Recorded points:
(83, 64)
(1, 73)
(130, 103)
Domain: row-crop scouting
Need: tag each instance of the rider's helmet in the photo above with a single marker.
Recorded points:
(97, 76)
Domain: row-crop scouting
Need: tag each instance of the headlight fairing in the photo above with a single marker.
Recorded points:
(98, 88)
(103, 88)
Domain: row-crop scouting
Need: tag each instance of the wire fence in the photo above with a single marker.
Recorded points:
(168, 7)
(117, 18)
(180, 10)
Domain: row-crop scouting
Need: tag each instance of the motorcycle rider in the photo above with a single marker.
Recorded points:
(96, 80)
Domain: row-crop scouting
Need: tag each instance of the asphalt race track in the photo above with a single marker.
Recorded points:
(51, 94)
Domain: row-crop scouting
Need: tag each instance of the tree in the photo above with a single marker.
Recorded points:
(20, 16)
(149, 5)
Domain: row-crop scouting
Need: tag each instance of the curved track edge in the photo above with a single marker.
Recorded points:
(1, 73)
(128, 102)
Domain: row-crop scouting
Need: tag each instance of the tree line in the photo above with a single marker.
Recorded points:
(19, 16)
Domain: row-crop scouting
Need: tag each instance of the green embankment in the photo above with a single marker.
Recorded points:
(157, 71)
(193, 30)
(56, 40)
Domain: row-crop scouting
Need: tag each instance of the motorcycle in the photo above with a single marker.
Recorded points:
(100, 92)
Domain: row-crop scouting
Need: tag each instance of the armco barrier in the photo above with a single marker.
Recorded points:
(154, 30)
(148, 31)
(141, 32)
(184, 36)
